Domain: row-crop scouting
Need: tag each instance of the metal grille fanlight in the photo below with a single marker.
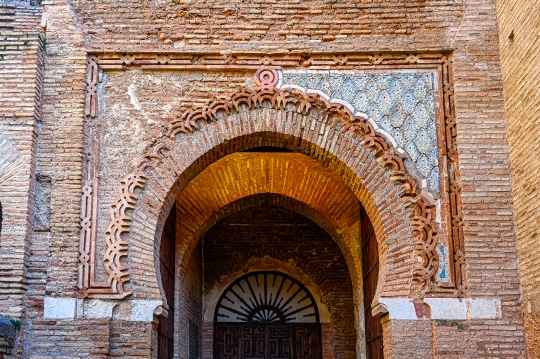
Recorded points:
(266, 297)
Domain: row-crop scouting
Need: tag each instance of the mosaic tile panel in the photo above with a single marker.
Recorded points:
(400, 102)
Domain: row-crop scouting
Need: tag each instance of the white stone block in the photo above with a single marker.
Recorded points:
(59, 308)
(485, 308)
(447, 308)
(143, 310)
(400, 308)
(99, 309)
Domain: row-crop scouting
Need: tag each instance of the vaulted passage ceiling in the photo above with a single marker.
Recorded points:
(325, 197)
(290, 174)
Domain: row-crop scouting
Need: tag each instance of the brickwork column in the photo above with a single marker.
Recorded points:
(519, 26)
(488, 213)
(21, 65)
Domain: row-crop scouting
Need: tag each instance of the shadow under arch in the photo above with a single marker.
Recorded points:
(257, 264)
(274, 200)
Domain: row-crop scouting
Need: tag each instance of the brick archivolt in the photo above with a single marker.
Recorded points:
(177, 158)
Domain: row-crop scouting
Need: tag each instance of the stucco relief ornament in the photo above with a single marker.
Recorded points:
(117, 247)
(120, 223)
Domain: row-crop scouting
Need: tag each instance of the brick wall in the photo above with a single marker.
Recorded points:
(492, 268)
(21, 66)
(468, 28)
(53, 253)
(21, 72)
(519, 30)
(273, 25)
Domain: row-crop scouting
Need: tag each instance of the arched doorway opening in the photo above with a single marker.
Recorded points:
(345, 145)
(220, 232)
(267, 315)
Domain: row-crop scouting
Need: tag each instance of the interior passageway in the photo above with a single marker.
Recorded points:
(252, 261)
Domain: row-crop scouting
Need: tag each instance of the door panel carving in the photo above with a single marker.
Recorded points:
(254, 342)
(267, 341)
(280, 342)
(227, 342)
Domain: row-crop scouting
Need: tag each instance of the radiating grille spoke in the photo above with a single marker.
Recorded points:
(267, 297)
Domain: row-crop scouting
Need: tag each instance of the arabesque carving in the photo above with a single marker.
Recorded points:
(92, 74)
(86, 237)
(422, 222)
(117, 247)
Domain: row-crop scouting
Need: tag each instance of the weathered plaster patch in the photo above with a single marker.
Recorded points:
(42, 203)
(11, 160)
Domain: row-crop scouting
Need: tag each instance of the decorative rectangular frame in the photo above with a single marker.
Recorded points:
(112, 60)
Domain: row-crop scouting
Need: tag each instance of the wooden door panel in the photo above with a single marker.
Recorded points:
(167, 268)
(270, 341)
(307, 342)
(280, 342)
(227, 342)
(253, 342)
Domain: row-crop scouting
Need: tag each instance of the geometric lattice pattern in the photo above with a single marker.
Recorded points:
(402, 103)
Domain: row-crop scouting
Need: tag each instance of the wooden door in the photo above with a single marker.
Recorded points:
(227, 342)
(167, 267)
(280, 342)
(370, 270)
(267, 341)
(308, 341)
